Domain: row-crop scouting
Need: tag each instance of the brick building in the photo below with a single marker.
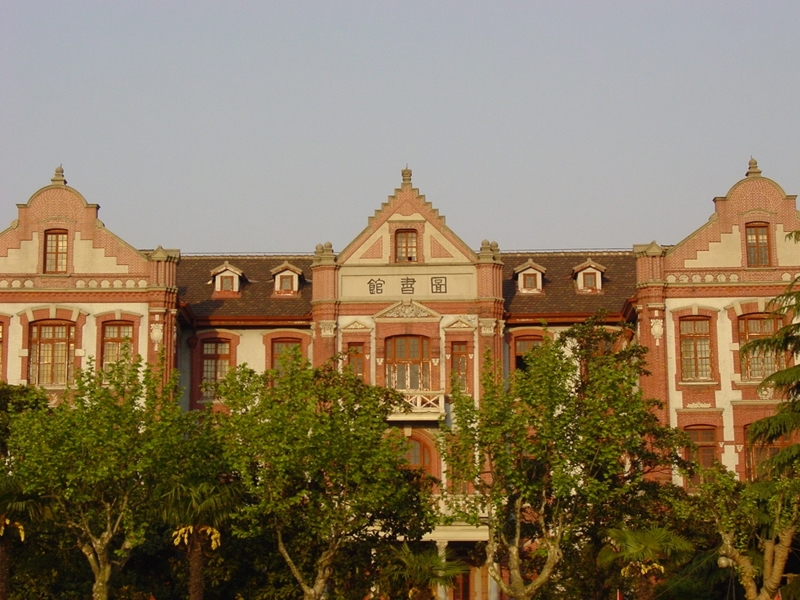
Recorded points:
(412, 305)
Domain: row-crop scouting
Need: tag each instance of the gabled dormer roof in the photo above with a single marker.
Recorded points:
(287, 266)
(226, 266)
(529, 264)
(588, 264)
(407, 204)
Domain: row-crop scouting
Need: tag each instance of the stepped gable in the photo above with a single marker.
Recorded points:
(257, 297)
(559, 291)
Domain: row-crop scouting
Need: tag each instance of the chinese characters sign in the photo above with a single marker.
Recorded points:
(376, 286)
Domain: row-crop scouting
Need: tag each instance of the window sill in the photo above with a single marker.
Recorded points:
(704, 382)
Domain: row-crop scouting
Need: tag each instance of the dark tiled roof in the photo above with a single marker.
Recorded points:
(560, 293)
(257, 300)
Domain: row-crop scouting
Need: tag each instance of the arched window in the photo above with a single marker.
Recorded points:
(216, 364)
(419, 455)
(523, 345)
(408, 362)
(52, 353)
(705, 453)
(695, 348)
(280, 347)
(757, 454)
(757, 365)
(117, 342)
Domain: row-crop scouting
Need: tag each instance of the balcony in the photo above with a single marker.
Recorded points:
(425, 405)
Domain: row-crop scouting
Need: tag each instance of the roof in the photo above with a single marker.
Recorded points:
(559, 291)
(256, 297)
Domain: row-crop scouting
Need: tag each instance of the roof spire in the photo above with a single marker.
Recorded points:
(58, 178)
(752, 169)
(406, 173)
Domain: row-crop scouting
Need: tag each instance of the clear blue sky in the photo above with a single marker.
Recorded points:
(273, 126)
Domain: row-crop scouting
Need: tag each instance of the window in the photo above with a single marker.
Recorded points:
(756, 454)
(408, 362)
(117, 339)
(52, 353)
(590, 281)
(757, 365)
(280, 347)
(757, 235)
(418, 455)
(55, 251)
(355, 358)
(521, 347)
(461, 587)
(458, 365)
(529, 281)
(226, 283)
(216, 364)
(405, 245)
(286, 284)
(705, 454)
(695, 349)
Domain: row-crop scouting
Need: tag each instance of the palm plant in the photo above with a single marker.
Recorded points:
(198, 512)
(644, 555)
(420, 573)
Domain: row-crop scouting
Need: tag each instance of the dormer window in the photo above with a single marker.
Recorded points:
(286, 284)
(287, 279)
(55, 251)
(530, 277)
(589, 276)
(227, 281)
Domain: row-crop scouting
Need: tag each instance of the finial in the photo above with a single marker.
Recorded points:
(58, 178)
(406, 174)
(752, 169)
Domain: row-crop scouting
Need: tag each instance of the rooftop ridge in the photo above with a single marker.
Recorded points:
(247, 254)
(570, 251)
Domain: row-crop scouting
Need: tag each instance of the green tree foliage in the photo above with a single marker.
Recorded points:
(101, 456)
(785, 342)
(322, 470)
(570, 435)
(756, 523)
(17, 509)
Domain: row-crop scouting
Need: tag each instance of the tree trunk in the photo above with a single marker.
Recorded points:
(5, 566)
(101, 580)
(194, 553)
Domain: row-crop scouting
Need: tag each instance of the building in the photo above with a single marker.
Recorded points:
(412, 306)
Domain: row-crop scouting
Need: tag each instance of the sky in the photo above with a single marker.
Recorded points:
(274, 126)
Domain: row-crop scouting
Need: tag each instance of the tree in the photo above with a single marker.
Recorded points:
(100, 456)
(540, 457)
(322, 470)
(786, 341)
(16, 507)
(756, 523)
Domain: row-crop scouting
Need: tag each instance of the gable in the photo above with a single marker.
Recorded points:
(89, 246)
(406, 211)
(756, 213)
